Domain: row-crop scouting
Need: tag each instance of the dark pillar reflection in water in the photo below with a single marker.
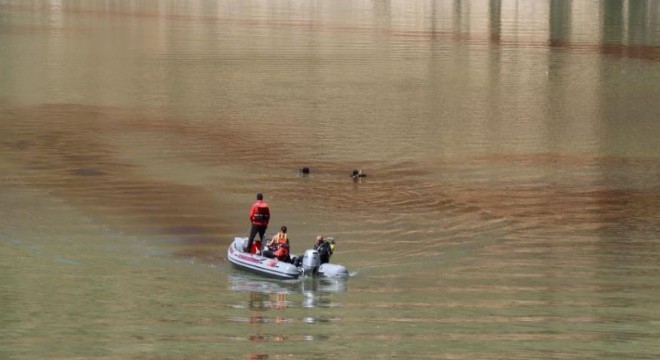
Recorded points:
(560, 21)
(559, 116)
(630, 29)
(458, 16)
(495, 66)
(624, 193)
(625, 33)
(612, 14)
(637, 23)
(495, 20)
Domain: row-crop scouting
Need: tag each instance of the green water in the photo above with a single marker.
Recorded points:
(511, 208)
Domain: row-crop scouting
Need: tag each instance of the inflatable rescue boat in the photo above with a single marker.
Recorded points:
(310, 265)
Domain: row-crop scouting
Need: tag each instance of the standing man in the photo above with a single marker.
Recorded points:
(259, 217)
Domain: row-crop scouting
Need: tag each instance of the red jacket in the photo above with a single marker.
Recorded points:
(260, 213)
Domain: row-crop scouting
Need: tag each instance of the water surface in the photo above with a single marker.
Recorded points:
(511, 208)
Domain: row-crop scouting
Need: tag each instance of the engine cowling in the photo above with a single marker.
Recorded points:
(311, 261)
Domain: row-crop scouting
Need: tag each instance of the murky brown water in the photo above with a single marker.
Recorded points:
(511, 208)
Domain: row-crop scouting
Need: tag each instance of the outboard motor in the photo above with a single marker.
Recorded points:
(311, 261)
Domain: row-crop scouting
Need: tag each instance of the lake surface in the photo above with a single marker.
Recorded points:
(511, 208)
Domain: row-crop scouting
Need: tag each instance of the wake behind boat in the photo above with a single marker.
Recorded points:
(311, 264)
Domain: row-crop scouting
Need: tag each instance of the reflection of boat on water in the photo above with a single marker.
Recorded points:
(316, 291)
(311, 264)
(246, 282)
(269, 300)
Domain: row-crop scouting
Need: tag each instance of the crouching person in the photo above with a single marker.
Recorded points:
(278, 246)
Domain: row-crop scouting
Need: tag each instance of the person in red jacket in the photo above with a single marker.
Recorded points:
(259, 218)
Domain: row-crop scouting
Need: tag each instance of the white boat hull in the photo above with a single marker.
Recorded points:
(260, 264)
(275, 268)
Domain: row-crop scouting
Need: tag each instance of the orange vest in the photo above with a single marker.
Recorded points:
(281, 238)
(282, 246)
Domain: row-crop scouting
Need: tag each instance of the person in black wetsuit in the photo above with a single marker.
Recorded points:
(324, 247)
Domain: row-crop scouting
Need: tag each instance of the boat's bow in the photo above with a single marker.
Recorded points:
(259, 264)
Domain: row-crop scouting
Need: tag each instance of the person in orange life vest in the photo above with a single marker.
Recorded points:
(278, 246)
(259, 218)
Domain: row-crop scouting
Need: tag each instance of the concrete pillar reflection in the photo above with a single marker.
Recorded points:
(560, 22)
(637, 23)
(613, 26)
(495, 18)
(457, 23)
